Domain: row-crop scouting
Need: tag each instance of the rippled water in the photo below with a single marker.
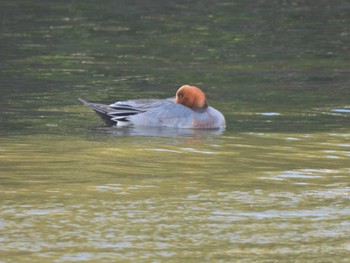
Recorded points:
(272, 187)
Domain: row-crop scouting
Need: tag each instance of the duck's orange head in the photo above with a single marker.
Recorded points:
(192, 97)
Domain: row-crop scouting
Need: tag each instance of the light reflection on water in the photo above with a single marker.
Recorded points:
(173, 198)
(157, 228)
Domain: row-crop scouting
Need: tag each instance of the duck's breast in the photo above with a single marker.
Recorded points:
(209, 119)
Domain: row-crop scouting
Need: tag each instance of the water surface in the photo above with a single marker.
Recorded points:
(272, 187)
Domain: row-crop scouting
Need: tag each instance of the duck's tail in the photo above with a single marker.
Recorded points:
(102, 110)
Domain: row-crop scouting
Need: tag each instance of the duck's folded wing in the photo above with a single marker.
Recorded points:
(153, 112)
(122, 110)
(140, 105)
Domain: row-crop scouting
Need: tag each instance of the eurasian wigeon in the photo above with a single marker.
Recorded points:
(189, 109)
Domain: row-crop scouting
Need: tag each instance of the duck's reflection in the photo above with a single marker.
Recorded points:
(157, 131)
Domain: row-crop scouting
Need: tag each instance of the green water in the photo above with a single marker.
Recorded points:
(272, 187)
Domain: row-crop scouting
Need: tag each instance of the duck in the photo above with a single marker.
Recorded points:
(189, 109)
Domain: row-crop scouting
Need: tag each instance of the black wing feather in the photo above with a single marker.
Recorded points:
(111, 115)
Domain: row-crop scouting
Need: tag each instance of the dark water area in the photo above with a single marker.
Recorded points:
(272, 187)
(288, 56)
